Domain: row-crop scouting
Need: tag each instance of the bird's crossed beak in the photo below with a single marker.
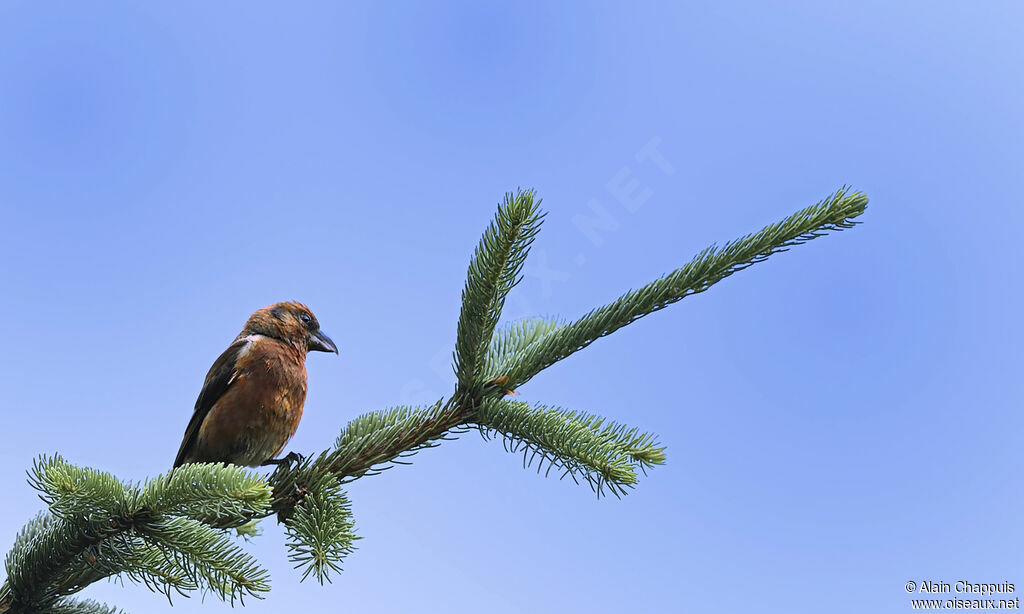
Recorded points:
(319, 342)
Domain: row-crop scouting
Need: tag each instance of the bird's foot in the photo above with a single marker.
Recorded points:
(288, 459)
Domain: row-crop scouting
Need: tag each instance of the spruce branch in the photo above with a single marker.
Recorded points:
(77, 492)
(56, 557)
(512, 340)
(321, 530)
(208, 558)
(215, 494)
(710, 266)
(494, 270)
(604, 454)
(369, 445)
(172, 533)
(86, 606)
(151, 566)
(100, 527)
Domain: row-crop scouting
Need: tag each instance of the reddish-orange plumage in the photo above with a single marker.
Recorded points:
(252, 399)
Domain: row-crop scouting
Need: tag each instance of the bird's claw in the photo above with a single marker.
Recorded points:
(292, 458)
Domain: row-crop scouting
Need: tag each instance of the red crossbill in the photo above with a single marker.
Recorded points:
(252, 399)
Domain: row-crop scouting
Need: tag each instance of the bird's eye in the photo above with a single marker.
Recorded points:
(305, 318)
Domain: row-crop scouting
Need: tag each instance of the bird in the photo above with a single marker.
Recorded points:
(251, 401)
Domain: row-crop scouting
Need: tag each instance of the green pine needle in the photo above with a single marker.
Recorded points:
(155, 536)
(213, 493)
(53, 557)
(152, 566)
(85, 606)
(370, 441)
(709, 267)
(23, 558)
(602, 453)
(511, 340)
(372, 428)
(207, 557)
(79, 492)
(321, 531)
(494, 270)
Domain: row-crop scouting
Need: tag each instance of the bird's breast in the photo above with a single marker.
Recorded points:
(264, 405)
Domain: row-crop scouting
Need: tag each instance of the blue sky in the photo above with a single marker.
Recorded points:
(839, 420)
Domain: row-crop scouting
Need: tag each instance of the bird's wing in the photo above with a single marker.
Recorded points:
(222, 374)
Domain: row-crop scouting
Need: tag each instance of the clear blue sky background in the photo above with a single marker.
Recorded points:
(839, 420)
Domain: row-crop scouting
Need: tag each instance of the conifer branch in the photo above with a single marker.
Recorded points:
(494, 270)
(510, 341)
(86, 606)
(321, 530)
(604, 454)
(171, 533)
(57, 558)
(163, 535)
(208, 558)
(710, 266)
(367, 446)
(222, 496)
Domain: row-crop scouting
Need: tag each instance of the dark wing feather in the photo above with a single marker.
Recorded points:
(218, 380)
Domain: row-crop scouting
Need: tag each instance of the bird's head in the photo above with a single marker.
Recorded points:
(292, 323)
